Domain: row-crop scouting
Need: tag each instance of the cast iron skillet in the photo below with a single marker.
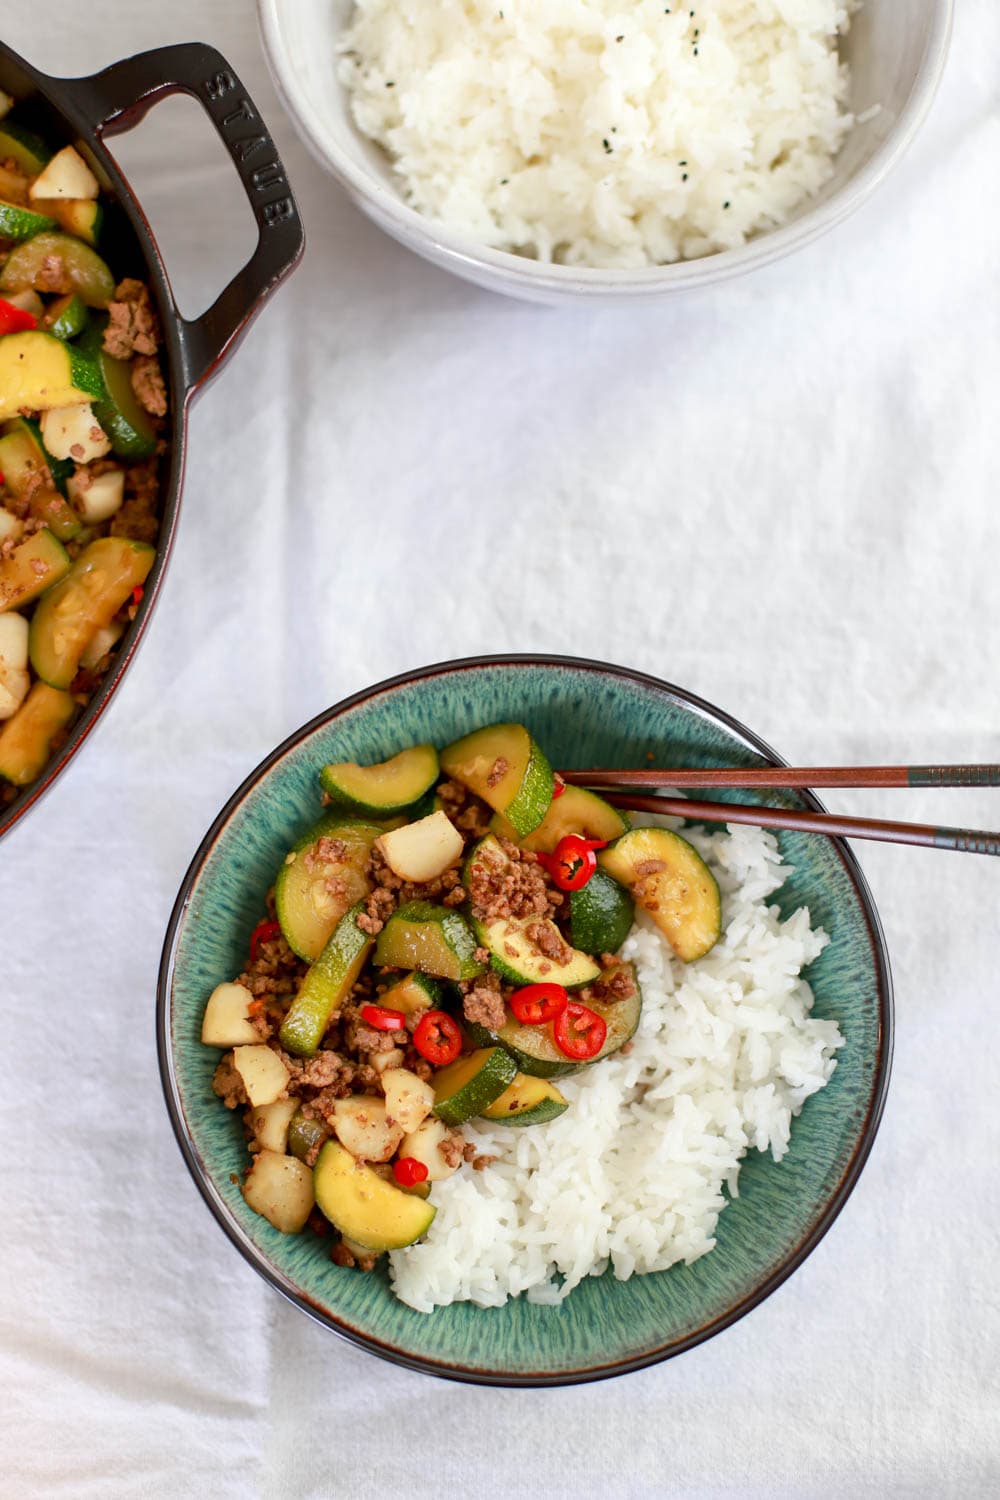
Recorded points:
(85, 111)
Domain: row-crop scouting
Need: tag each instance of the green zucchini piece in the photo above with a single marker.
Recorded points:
(383, 789)
(574, 811)
(504, 766)
(307, 907)
(23, 147)
(19, 223)
(367, 1209)
(601, 914)
(29, 469)
(84, 602)
(38, 372)
(469, 1085)
(26, 738)
(66, 318)
(528, 1101)
(128, 425)
(534, 1050)
(49, 507)
(434, 939)
(326, 986)
(514, 954)
(669, 879)
(83, 217)
(304, 1134)
(413, 993)
(34, 565)
(81, 268)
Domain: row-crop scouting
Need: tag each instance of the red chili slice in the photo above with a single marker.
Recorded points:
(538, 1003)
(264, 932)
(558, 788)
(437, 1038)
(579, 1032)
(573, 861)
(408, 1171)
(382, 1018)
(137, 594)
(15, 319)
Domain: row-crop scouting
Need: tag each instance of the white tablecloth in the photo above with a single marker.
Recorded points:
(783, 495)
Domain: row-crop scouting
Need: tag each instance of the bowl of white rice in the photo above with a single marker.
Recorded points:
(564, 149)
(691, 1173)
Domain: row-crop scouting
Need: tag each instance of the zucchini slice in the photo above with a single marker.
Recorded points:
(25, 463)
(382, 789)
(38, 371)
(468, 1086)
(118, 409)
(434, 939)
(80, 268)
(326, 986)
(600, 915)
(26, 738)
(366, 1208)
(83, 217)
(528, 1101)
(312, 894)
(27, 150)
(669, 879)
(20, 223)
(533, 1047)
(305, 1133)
(504, 766)
(33, 566)
(414, 993)
(66, 318)
(574, 811)
(84, 602)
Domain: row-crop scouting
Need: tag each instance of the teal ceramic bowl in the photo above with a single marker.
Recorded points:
(583, 713)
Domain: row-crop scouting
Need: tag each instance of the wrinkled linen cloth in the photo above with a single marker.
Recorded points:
(781, 494)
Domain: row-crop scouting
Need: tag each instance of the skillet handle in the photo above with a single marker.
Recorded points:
(119, 97)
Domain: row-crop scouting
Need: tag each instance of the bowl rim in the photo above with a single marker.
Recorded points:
(513, 273)
(392, 1352)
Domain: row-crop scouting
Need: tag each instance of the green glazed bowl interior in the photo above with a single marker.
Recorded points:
(582, 713)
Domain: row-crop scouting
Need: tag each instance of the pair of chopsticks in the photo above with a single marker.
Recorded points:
(626, 789)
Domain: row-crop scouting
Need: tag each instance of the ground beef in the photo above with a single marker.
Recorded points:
(325, 1069)
(325, 851)
(452, 1148)
(468, 813)
(498, 771)
(619, 985)
(137, 518)
(379, 907)
(511, 886)
(132, 327)
(228, 1084)
(441, 889)
(483, 1002)
(549, 942)
(148, 384)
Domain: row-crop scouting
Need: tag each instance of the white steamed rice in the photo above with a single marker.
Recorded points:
(632, 1174)
(597, 133)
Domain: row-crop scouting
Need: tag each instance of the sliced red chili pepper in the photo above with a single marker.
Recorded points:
(573, 861)
(437, 1038)
(264, 932)
(558, 788)
(538, 1003)
(408, 1171)
(579, 1031)
(137, 594)
(382, 1018)
(15, 319)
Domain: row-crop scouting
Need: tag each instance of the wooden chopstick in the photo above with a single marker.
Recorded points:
(790, 776)
(962, 840)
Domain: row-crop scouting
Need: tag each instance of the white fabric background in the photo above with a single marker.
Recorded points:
(783, 495)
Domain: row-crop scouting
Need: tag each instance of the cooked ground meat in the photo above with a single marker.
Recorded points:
(228, 1084)
(514, 886)
(469, 815)
(550, 942)
(137, 518)
(379, 907)
(148, 384)
(483, 1002)
(619, 985)
(132, 327)
(441, 888)
(325, 851)
(498, 771)
(453, 1147)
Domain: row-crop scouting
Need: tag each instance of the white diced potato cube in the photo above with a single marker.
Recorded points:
(264, 1075)
(10, 526)
(14, 685)
(13, 641)
(270, 1124)
(97, 499)
(65, 176)
(280, 1188)
(101, 643)
(423, 850)
(408, 1099)
(74, 432)
(383, 1061)
(226, 1022)
(424, 1144)
(364, 1129)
